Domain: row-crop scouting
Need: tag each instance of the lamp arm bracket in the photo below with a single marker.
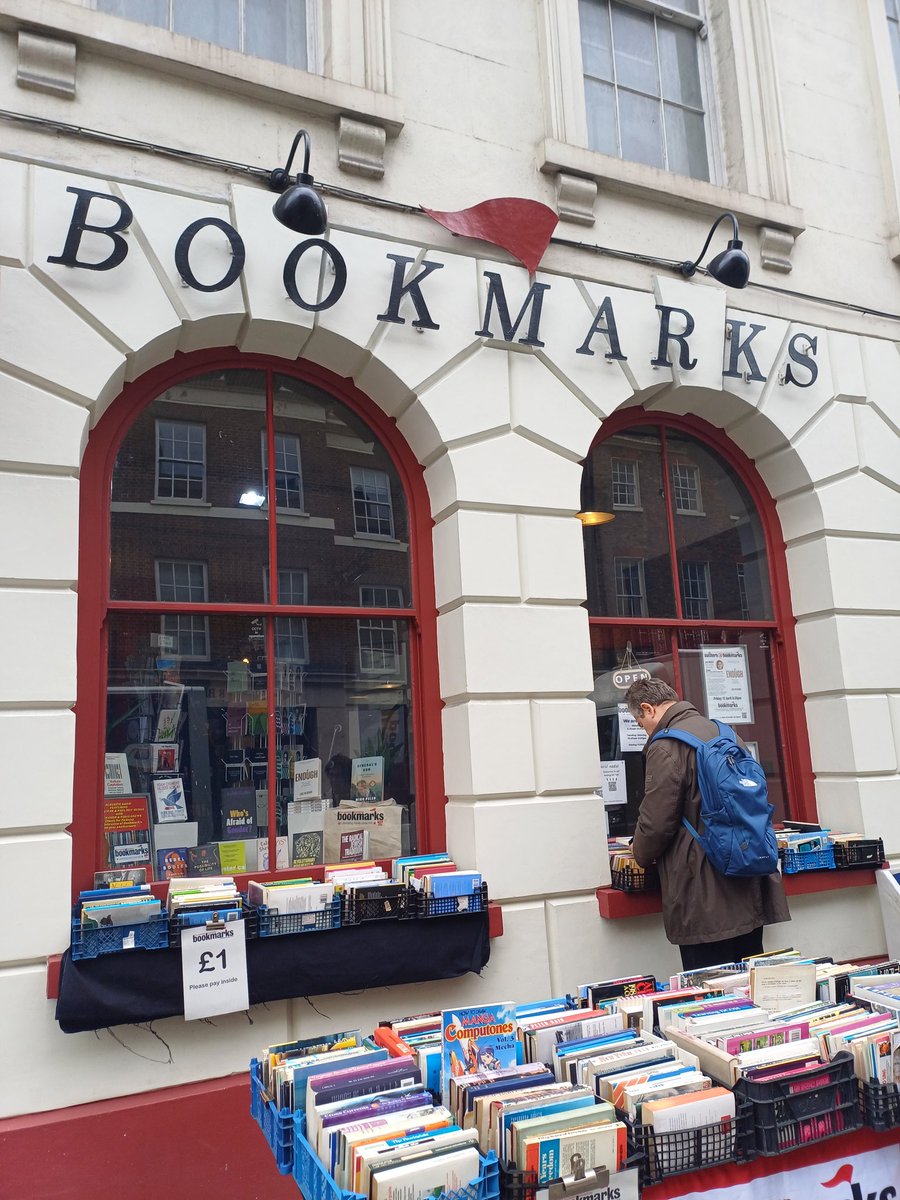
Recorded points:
(280, 178)
(689, 268)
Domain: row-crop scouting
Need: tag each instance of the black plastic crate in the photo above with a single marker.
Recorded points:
(178, 921)
(356, 908)
(447, 906)
(112, 939)
(523, 1185)
(880, 1104)
(272, 923)
(867, 852)
(684, 1150)
(816, 1103)
(635, 879)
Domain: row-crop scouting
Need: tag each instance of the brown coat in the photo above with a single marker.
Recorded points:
(699, 903)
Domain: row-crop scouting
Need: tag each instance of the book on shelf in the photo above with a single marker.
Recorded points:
(172, 863)
(233, 856)
(171, 804)
(121, 878)
(164, 757)
(477, 1039)
(439, 1172)
(307, 849)
(238, 813)
(116, 776)
(572, 1152)
(204, 860)
(307, 779)
(126, 831)
(281, 854)
(367, 779)
(168, 722)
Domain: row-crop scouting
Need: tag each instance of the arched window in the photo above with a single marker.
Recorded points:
(686, 579)
(244, 665)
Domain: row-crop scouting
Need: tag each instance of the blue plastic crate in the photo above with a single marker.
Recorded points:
(316, 1184)
(110, 939)
(446, 906)
(272, 923)
(810, 860)
(277, 1125)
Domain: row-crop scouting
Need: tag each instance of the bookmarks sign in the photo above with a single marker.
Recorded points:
(214, 970)
(475, 1040)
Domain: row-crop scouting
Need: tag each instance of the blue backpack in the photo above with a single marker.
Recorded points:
(734, 805)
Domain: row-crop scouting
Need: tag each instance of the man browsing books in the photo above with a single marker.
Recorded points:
(711, 917)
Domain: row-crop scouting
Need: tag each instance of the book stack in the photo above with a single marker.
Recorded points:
(291, 895)
(106, 907)
(200, 901)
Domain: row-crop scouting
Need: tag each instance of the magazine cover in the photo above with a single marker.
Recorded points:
(367, 779)
(477, 1039)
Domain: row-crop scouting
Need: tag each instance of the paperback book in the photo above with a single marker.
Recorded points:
(238, 813)
(367, 779)
(170, 800)
(477, 1039)
(117, 780)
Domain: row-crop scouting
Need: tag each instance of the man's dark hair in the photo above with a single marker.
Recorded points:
(649, 691)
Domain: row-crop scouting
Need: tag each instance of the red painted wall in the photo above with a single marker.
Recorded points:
(196, 1142)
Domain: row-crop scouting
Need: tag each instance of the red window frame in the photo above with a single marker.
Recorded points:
(94, 602)
(799, 778)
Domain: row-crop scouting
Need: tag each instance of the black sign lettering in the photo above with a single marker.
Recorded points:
(666, 335)
(535, 298)
(183, 250)
(605, 311)
(741, 349)
(413, 289)
(290, 275)
(79, 225)
(803, 360)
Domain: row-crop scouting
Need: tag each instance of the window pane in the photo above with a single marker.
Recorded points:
(679, 69)
(636, 533)
(639, 120)
(148, 12)
(686, 142)
(216, 21)
(200, 729)
(635, 50)
(276, 30)
(725, 533)
(650, 648)
(700, 686)
(600, 102)
(329, 538)
(199, 445)
(596, 44)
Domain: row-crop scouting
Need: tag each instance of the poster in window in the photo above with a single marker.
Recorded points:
(726, 684)
(614, 787)
(631, 736)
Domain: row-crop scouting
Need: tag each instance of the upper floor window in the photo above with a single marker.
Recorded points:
(696, 592)
(276, 30)
(643, 83)
(378, 646)
(686, 486)
(630, 599)
(184, 634)
(372, 510)
(892, 10)
(180, 461)
(626, 487)
(288, 475)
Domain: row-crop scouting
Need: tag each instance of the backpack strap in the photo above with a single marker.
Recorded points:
(680, 735)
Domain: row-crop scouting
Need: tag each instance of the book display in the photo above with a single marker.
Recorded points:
(622, 1085)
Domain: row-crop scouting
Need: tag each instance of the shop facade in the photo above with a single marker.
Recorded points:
(436, 417)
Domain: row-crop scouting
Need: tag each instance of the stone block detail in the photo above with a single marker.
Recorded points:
(46, 64)
(361, 148)
(775, 249)
(575, 198)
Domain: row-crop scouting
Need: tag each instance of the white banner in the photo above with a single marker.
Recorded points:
(874, 1175)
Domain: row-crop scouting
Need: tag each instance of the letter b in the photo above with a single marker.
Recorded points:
(79, 225)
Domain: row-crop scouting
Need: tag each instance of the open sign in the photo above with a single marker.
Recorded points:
(624, 679)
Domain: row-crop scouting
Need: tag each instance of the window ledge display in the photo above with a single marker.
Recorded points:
(615, 904)
(461, 931)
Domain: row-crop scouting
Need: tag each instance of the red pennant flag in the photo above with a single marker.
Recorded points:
(523, 227)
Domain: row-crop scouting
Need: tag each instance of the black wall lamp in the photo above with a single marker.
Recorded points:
(731, 266)
(299, 207)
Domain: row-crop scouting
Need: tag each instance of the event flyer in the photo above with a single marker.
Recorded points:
(477, 1039)
(726, 685)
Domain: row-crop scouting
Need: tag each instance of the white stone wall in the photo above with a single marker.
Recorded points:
(468, 103)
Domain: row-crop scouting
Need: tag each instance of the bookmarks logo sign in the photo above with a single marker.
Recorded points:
(844, 1175)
